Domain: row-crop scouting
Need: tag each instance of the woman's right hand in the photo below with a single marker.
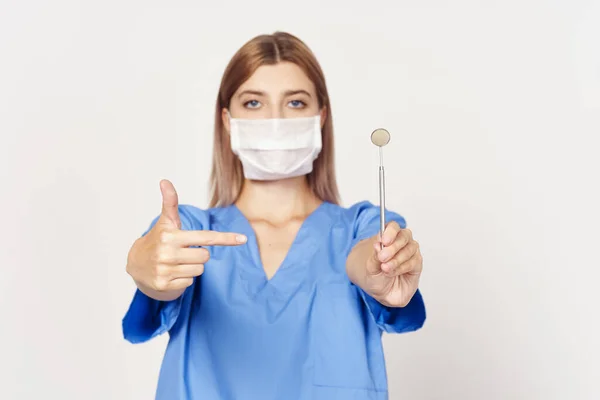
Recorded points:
(161, 263)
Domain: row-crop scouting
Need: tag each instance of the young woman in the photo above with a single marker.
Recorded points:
(275, 291)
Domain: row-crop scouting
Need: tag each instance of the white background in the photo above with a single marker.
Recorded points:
(494, 109)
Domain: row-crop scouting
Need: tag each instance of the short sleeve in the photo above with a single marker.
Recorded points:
(146, 317)
(389, 319)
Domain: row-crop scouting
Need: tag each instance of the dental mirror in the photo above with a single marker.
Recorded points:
(381, 137)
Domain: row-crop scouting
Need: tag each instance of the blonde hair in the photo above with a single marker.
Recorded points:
(226, 177)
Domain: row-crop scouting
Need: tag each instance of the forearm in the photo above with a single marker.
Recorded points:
(151, 313)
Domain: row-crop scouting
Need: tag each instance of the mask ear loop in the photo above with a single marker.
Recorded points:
(318, 136)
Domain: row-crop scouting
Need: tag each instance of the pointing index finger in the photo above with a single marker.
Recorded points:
(210, 238)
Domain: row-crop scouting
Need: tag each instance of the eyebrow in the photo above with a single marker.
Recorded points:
(286, 93)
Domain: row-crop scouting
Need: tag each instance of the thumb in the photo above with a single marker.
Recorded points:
(373, 263)
(170, 202)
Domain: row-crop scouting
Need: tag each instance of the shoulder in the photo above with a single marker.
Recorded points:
(365, 211)
(193, 217)
(363, 218)
(196, 218)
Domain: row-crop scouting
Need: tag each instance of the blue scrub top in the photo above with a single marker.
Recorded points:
(307, 333)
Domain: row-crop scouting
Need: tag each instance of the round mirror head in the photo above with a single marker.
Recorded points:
(380, 137)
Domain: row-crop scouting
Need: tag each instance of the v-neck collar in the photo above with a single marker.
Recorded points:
(303, 246)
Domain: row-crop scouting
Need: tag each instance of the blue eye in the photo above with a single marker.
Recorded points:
(297, 104)
(252, 104)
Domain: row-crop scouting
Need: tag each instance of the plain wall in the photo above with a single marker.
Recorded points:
(494, 110)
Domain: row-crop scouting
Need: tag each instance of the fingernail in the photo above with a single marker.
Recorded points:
(241, 238)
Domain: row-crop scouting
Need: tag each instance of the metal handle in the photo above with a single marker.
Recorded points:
(381, 201)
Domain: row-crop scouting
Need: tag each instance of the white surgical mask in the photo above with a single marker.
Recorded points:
(277, 148)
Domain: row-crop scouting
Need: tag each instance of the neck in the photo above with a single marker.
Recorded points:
(277, 201)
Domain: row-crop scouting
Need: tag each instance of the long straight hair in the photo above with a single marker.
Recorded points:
(227, 177)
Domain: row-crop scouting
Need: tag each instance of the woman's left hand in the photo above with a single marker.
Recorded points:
(393, 273)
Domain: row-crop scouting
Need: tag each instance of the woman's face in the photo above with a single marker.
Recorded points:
(275, 91)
